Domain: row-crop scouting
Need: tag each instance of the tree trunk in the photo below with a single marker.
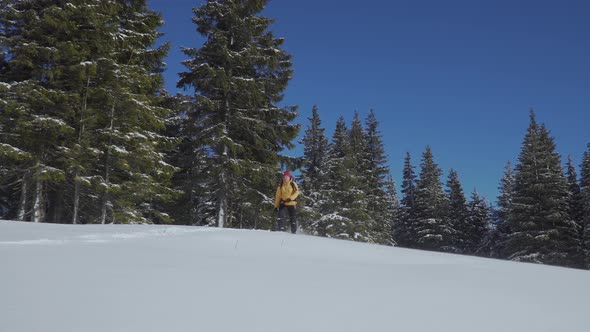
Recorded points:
(22, 210)
(80, 134)
(194, 215)
(103, 213)
(105, 200)
(222, 196)
(76, 199)
(222, 210)
(39, 206)
(241, 218)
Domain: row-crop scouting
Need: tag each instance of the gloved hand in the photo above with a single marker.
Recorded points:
(276, 209)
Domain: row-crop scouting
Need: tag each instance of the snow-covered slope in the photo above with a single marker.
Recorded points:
(58, 278)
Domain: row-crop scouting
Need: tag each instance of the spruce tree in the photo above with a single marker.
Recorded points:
(357, 151)
(314, 172)
(457, 212)
(406, 217)
(380, 189)
(333, 223)
(344, 212)
(188, 208)
(506, 195)
(14, 161)
(356, 201)
(239, 76)
(394, 209)
(575, 207)
(37, 106)
(84, 84)
(540, 229)
(315, 147)
(130, 121)
(505, 200)
(432, 230)
(478, 222)
(585, 190)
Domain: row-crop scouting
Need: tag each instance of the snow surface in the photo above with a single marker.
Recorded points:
(132, 278)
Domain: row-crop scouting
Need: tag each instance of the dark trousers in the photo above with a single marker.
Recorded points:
(282, 216)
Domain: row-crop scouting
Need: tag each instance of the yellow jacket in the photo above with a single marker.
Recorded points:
(287, 190)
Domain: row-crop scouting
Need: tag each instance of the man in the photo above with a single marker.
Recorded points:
(287, 193)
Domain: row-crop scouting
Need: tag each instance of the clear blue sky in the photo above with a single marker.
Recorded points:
(460, 76)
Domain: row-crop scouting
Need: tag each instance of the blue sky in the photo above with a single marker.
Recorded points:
(458, 75)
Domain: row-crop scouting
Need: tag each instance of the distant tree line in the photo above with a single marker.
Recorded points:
(88, 134)
(542, 212)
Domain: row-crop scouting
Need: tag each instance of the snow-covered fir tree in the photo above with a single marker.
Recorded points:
(314, 171)
(12, 159)
(393, 203)
(360, 199)
(505, 198)
(239, 76)
(345, 215)
(585, 189)
(381, 195)
(84, 81)
(357, 147)
(406, 216)
(391, 193)
(431, 229)
(457, 212)
(333, 223)
(540, 229)
(130, 121)
(35, 105)
(506, 194)
(575, 207)
(189, 207)
(478, 222)
(315, 147)
(357, 200)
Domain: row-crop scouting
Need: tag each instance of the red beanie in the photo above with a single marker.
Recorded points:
(287, 174)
